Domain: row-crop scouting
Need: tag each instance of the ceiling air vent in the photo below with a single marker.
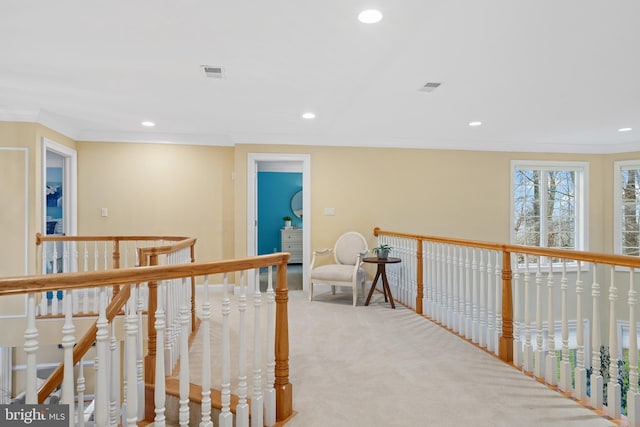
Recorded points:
(213, 72)
(430, 86)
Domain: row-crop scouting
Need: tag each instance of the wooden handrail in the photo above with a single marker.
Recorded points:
(53, 282)
(506, 338)
(59, 238)
(84, 344)
(593, 257)
(130, 276)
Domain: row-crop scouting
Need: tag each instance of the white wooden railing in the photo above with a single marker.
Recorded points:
(169, 288)
(569, 323)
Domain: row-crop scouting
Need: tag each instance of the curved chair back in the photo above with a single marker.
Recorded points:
(348, 247)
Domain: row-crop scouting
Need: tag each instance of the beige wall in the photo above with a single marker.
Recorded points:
(158, 189)
(463, 194)
(189, 190)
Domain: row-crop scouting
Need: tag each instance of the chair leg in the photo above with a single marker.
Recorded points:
(310, 290)
(333, 290)
(355, 296)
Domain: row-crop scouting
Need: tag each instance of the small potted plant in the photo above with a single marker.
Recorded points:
(287, 221)
(382, 251)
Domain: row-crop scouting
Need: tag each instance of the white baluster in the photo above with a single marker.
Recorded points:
(114, 388)
(539, 353)
(31, 347)
(517, 319)
(437, 284)
(102, 365)
(428, 278)
(270, 392)
(206, 357)
(580, 392)
(106, 256)
(528, 347)
(614, 400)
(131, 329)
(65, 258)
(257, 400)
(455, 324)
(68, 341)
(565, 365)
(468, 297)
(491, 328)
(449, 284)
(462, 325)
(160, 373)
(551, 373)
(54, 256)
(185, 319)
(85, 291)
(596, 399)
(475, 298)
(242, 408)
(633, 397)
(81, 389)
(482, 313)
(226, 417)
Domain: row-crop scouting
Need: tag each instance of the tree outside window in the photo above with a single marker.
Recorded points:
(547, 206)
(627, 207)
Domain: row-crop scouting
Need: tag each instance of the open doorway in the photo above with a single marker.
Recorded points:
(293, 169)
(59, 189)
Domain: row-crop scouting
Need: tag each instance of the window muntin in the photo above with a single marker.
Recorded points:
(627, 207)
(548, 200)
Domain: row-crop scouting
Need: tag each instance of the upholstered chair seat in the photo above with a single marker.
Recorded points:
(346, 270)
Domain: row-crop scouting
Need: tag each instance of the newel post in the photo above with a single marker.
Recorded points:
(506, 339)
(284, 394)
(150, 358)
(419, 277)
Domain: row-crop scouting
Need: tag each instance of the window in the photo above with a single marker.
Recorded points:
(626, 194)
(548, 202)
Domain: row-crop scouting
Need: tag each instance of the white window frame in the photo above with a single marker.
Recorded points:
(617, 200)
(581, 170)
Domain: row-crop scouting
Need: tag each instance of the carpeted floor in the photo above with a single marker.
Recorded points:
(375, 366)
(294, 277)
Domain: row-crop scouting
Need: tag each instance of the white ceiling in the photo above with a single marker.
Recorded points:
(542, 75)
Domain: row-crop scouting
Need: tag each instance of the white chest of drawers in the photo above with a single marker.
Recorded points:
(291, 239)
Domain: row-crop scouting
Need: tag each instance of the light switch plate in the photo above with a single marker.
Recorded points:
(329, 211)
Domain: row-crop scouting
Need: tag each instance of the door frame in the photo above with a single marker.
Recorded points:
(253, 159)
(70, 189)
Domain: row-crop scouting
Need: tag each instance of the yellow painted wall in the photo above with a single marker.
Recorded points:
(158, 189)
(464, 194)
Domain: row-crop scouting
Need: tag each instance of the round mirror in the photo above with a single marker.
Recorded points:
(296, 204)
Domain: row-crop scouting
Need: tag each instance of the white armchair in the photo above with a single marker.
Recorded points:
(346, 270)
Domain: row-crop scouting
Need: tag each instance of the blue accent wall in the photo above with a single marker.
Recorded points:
(275, 190)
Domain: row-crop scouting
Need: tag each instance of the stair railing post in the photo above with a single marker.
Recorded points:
(150, 358)
(506, 340)
(284, 392)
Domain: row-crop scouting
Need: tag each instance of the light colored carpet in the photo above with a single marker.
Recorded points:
(375, 366)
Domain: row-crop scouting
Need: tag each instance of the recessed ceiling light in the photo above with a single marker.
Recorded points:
(624, 129)
(370, 16)
(475, 123)
(148, 124)
(308, 115)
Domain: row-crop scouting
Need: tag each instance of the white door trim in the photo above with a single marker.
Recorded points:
(252, 209)
(70, 194)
